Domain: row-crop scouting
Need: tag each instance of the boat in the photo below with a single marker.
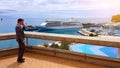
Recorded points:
(96, 32)
(85, 32)
(54, 24)
(30, 28)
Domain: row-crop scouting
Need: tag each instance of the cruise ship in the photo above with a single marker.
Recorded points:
(54, 24)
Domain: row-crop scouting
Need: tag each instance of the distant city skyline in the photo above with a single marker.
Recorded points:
(59, 8)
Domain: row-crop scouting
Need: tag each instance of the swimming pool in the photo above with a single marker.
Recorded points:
(94, 49)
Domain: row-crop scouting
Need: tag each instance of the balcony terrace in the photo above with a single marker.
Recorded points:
(42, 57)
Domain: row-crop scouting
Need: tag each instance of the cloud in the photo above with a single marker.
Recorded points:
(79, 4)
(5, 11)
(39, 5)
(56, 7)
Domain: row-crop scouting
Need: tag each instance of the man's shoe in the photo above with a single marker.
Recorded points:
(20, 60)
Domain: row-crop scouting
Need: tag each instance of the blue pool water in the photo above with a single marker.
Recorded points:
(8, 25)
(94, 49)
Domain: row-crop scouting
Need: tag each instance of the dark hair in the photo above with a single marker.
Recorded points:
(20, 19)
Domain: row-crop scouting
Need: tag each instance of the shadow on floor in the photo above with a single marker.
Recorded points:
(14, 65)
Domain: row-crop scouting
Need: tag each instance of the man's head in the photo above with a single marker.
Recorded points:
(20, 21)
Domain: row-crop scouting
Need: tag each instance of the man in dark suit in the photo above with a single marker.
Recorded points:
(20, 39)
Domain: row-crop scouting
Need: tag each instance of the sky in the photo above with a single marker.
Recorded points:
(59, 8)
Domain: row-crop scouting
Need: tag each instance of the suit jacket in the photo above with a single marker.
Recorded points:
(19, 33)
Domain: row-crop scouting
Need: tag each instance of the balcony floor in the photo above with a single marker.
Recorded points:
(42, 61)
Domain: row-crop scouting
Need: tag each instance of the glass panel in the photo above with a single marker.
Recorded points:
(37, 42)
(49, 43)
(5, 44)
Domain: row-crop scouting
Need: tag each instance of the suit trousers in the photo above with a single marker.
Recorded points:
(21, 49)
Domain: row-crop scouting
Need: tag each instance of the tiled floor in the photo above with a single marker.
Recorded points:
(42, 61)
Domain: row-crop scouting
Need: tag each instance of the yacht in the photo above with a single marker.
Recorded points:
(85, 32)
(54, 24)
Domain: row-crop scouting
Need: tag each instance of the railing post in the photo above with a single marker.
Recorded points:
(118, 53)
(27, 41)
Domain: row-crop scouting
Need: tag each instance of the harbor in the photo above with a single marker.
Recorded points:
(68, 31)
(59, 34)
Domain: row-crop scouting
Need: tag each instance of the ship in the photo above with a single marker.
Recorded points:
(54, 24)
